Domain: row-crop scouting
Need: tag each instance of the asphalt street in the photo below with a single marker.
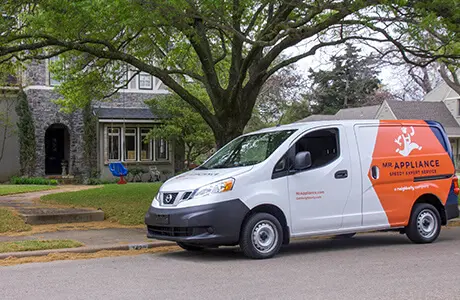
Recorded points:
(371, 266)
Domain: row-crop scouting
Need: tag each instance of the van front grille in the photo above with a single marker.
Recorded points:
(171, 231)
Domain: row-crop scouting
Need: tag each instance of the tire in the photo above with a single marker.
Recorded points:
(345, 236)
(424, 224)
(261, 236)
(189, 247)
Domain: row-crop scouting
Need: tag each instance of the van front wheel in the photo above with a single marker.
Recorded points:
(424, 224)
(262, 236)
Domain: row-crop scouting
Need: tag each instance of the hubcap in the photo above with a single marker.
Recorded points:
(427, 224)
(264, 236)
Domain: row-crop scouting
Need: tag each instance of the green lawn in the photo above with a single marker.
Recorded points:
(11, 222)
(10, 189)
(126, 204)
(37, 245)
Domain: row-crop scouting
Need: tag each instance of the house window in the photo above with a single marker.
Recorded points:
(52, 80)
(130, 143)
(161, 150)
(146, 147)
(145, 81)
(113, 143)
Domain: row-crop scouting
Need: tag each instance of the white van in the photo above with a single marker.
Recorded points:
(310, 179)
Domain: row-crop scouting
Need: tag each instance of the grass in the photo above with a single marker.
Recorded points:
(125, 204)
(33, 245)
(10, 222)
(10, 189)
(11, 261)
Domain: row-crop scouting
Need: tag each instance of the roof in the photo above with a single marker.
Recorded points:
(317, 118)
(354, 113)
(124, 113)
(421, 110)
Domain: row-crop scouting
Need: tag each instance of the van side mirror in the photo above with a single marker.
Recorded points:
(302, 161)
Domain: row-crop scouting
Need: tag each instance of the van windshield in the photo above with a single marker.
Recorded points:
(247, 150)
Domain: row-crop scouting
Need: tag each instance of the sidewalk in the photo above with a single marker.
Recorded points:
(93, 240)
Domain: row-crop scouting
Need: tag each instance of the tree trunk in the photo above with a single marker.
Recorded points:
(188, 155)
(231, 128)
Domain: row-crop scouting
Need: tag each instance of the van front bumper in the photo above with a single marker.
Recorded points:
(210, 224)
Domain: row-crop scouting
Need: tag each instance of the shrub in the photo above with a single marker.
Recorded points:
(97, 181)
(33, 180)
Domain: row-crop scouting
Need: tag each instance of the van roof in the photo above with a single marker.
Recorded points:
(309, 124)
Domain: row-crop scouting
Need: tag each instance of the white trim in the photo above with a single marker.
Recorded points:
(138, 148)
(453, 98)
(129, 121)
(125, 148)
(38, 87)
(13, 88)
(129, 91)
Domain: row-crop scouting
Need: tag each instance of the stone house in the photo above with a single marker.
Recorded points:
(120, 127)
(442, 105)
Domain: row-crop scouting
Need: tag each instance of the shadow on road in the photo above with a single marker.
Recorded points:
(309, 246)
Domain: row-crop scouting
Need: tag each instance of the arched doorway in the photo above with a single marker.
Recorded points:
(57, 148)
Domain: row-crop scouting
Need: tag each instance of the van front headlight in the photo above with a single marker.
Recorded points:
(156, 198)
(222, 186)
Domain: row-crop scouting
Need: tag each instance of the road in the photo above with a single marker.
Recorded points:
(371, 266)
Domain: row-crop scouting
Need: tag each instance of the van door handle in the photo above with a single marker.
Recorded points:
(375, 172)
(341, 174)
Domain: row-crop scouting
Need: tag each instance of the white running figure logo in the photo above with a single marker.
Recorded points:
(407, 140)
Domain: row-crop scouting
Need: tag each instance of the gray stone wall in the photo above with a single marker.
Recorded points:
(45, 114)
(36, 73)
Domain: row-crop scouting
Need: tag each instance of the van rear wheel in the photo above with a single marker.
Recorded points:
(424, 224)
(262, 236)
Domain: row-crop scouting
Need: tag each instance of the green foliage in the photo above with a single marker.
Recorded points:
(33, 245)
(125, 204)
(26, 133)
(33, 180)
(298, 110)
(348, 84)
(183, 125)
(12, 189)
(89, 141)
(11, 222)
(98, 181)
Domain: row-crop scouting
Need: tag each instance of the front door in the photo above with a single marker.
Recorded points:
(319, 194)
(54, 150)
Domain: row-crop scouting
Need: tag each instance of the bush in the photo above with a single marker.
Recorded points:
(97, 181)
(33, 180)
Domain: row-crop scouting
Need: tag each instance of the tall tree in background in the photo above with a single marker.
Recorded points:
(229, 47)
(350, 82)
(279, 93)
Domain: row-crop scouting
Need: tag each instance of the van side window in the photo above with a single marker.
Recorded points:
(323, 146)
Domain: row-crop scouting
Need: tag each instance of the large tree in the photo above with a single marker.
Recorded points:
(229, 47)
(183, 125)
(349, 83)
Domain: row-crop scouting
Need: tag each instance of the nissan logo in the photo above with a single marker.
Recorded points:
(168, 198)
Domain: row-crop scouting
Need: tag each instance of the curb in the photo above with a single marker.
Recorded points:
(86, 249)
